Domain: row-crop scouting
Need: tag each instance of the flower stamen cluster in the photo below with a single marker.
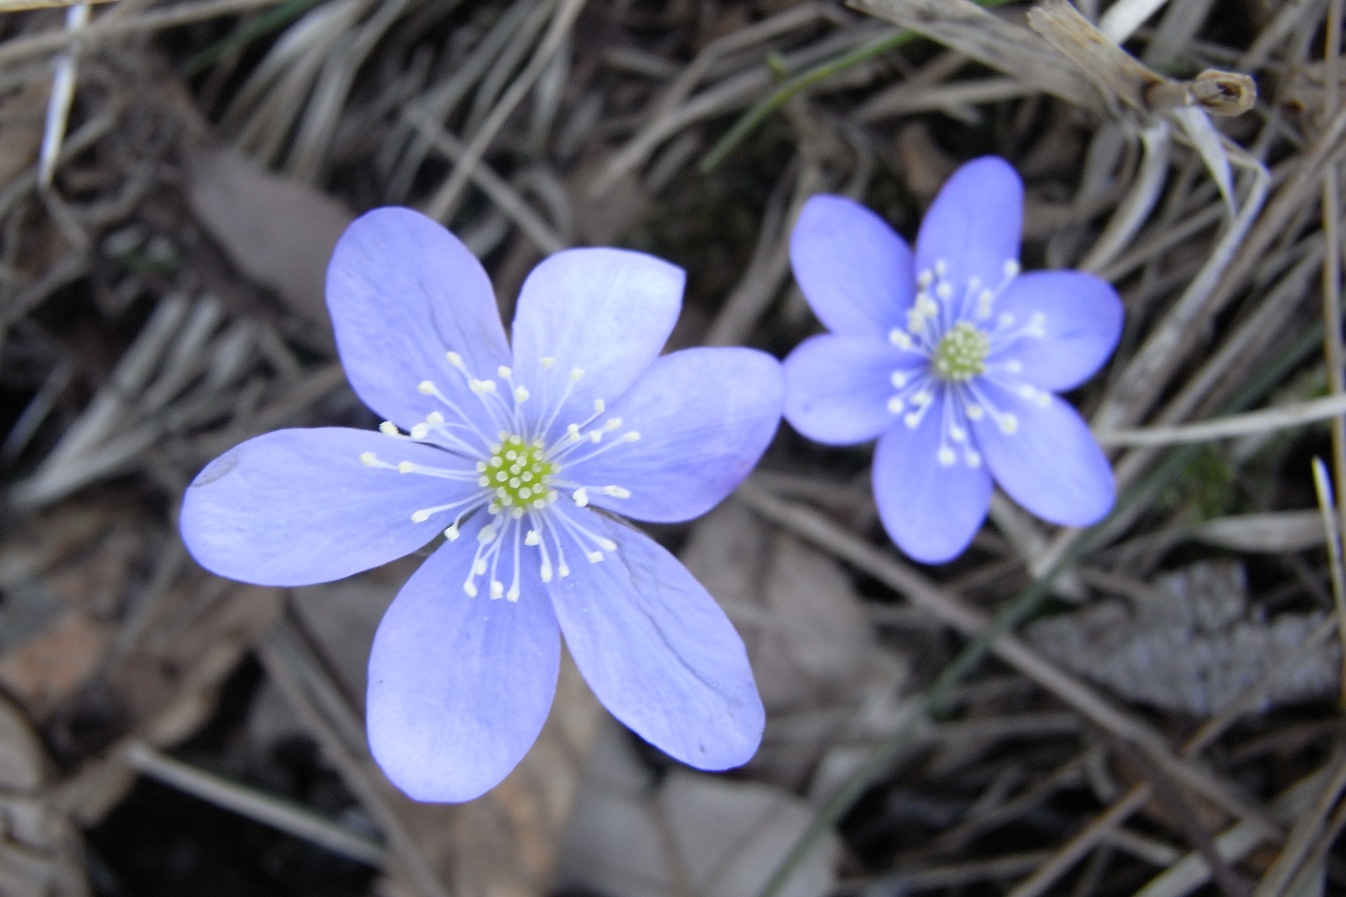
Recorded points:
(518, 473)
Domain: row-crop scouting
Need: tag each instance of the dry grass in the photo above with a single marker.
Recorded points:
(167, 202)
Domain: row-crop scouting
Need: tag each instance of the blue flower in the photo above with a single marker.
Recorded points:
(521, 456)
(951, 358)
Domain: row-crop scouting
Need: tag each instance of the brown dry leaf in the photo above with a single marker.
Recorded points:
(693, 835)
(807, 635)
(46, 670)
(63, 573)
(1191, 647)
(819, 668)
(277, 231)
(40, 851)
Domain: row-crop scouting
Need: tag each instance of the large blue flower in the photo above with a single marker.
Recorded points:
(521, 457)
(951, 358)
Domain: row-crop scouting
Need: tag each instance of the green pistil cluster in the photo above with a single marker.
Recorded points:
(961, 353)
(519, 473)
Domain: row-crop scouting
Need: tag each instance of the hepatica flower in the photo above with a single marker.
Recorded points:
(952, 358)
(520, 453)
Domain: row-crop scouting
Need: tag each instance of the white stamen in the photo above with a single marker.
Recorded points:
(581, 496)
(388, 428)
(369, 459)
(616, 491)
(946, 456)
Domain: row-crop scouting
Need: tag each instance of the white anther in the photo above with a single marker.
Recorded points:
(547, 362)
(504, 372)
(405, 467)
(923, 279)
(1011, 268)
(420, 431)
(973, 283)
(974, 411)
(562, 571)
(1008, 423)
(898, 379)
(1005, 319)
(594, 556)
(452, 533)
(896, 405)
(369, 459)
(420, 516)
(1026, 391)
(470, 588)
(581, 496)
(533, 537)
(596, 436)
(546, 570)
(425, 388)
(600, 406)
(607, 544)
(941, 267)
(899, 338)
(497, 589)
(454, 359)
(434, 418)
(616, 491)
(972, 458)
(1014, 367)
(388, 428)
(630, 436)
(1042, 399)
(912, 420)
(520, 394)
(612, 424)
(486, 536)
(482, 387)
(512, 596)
(957, 433)
(943, 290)
(946, 456)
(576, 374)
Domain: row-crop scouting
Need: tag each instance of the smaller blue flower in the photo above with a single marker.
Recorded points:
(520, 452)
(951, 357)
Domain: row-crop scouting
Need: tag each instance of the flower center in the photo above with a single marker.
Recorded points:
(516, 477)
(518, 473)
(961, 353)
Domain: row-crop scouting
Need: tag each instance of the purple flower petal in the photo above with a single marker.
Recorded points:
(296, 507)
(658, 652)
(704, 417)
(930, 511)
(854, 270)
(1081, 321)
(837, 387)
(607, 312)
(403, 291)
(1050, 464)
(974, 223)
(459, 686)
